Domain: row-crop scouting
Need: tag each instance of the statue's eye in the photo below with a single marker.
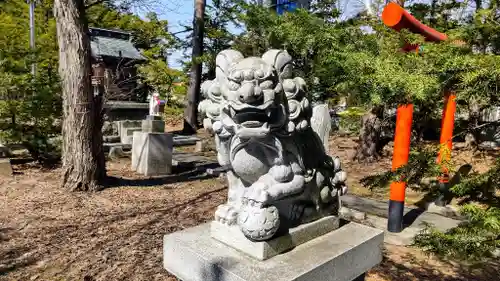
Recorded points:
(268, 84)
(233, 86)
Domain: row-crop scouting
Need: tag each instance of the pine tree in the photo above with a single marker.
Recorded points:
(193, 95)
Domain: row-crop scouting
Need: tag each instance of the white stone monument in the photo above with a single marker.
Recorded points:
(154, 105)
(152, 153)
(280, 221)
(154, 122)
(5, 166)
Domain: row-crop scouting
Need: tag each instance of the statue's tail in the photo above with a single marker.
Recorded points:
(321, 123)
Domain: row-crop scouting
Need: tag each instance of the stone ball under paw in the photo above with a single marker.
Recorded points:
(281, 173)
(259, 224)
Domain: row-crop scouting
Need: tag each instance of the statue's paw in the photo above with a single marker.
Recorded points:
(226, 214)
(344, 190)
(339, 178)
(256, 195)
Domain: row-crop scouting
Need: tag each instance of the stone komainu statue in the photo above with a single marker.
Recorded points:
(274, 144)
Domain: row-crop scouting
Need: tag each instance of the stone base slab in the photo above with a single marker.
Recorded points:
(232, 236)
(341, 255)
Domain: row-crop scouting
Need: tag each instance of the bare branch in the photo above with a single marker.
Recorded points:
(97, 2)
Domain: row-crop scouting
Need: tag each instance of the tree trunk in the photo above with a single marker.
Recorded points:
(83, 158)
(193, 95)
(473, 137)
(371, 138)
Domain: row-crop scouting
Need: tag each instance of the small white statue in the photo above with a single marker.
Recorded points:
(154, 104)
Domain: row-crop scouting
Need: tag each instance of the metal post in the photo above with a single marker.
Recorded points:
(32, 33)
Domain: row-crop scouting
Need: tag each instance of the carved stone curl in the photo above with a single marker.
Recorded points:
(274, 143)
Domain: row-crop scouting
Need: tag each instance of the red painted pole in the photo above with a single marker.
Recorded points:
(404, 118)
(447, 125)
(446, 145)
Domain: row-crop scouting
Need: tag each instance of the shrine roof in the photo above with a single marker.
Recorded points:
(113, 43)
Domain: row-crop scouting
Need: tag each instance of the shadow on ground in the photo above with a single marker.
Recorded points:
(409, 268)
(69, 253)
(183, 172)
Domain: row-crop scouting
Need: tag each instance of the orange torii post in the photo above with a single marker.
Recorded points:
(404, 116)
(446, 145)
(397, 18)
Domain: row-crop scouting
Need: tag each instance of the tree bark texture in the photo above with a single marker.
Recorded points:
(83, 158)
(193, 95)
(371, 138)
(473, 137)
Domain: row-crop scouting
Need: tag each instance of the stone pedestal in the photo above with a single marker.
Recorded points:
(152, 153)
(344, 254)
(153, 126)
(232, 236)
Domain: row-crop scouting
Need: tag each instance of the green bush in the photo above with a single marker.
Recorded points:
(350, 120)
(33, 119)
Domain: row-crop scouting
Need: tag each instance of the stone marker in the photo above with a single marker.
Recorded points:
(4, 151)
(127, 128)
(115, 152)
(280, 221)
(201, 146)
(152, 153)
(5, 167)
(153, 126)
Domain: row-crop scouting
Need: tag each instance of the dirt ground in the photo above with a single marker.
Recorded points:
(47, 233)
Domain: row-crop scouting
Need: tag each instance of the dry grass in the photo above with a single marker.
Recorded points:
(116, 234)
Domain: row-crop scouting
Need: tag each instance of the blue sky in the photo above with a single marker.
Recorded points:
(180, 12)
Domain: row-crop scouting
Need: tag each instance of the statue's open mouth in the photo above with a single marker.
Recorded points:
(251, 118)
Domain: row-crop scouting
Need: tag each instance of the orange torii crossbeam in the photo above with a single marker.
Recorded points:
(397, 18)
